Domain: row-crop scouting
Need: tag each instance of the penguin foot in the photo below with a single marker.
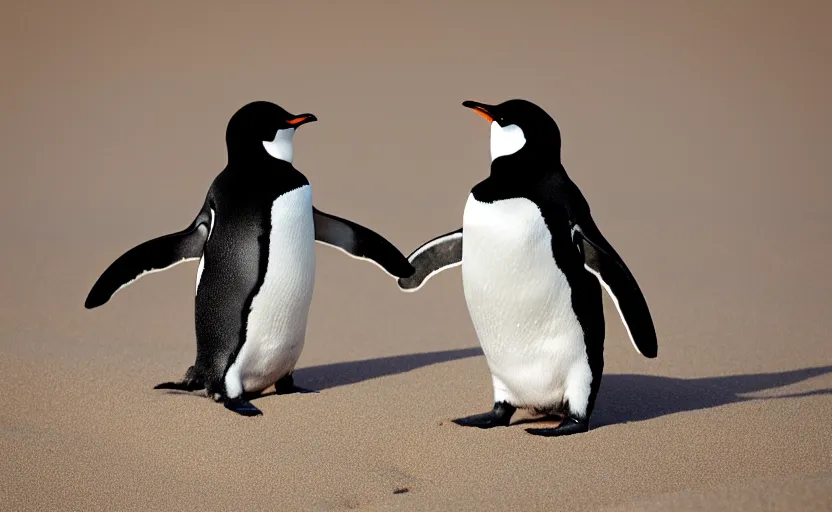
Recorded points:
(499, 416)
(182, 385)
(567, 427)
(241, 407)
(188, 383)
(285, 386)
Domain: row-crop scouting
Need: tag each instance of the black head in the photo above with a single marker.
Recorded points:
(520, 125)
(263, 128)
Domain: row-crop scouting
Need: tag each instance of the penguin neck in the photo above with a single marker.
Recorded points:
(528, 161)
(520, 166)
(515, 153)
(524, 172)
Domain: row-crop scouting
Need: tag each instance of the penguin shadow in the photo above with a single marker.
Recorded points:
(633, 398)
(318, 378)
(623, 398)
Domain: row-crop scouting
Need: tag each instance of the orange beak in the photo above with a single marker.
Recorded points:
(479, 108)
(301, 119)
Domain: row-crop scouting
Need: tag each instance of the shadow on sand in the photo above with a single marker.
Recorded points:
(629, 398)
(351, 372)
(623, 397)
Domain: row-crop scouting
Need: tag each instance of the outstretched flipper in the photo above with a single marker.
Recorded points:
(360, 242)
(601, 260)
(432, 257)
(152, 256)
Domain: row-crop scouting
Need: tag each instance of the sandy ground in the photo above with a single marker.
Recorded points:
(699, 133)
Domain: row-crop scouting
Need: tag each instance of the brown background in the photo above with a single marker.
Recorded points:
(699, 132)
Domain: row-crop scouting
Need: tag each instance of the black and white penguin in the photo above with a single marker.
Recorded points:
(255, 241)
(532, 260)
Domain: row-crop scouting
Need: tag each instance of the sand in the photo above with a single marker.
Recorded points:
(699, 133)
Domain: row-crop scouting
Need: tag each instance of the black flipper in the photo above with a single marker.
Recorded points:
(499, 416)
(601, 260)
(152, 256)
(360, 242)
(432, 257)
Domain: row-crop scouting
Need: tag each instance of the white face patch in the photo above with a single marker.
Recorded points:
(506, 140)
(281, 146)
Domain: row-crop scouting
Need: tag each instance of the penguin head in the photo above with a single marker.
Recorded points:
(262, 128)
(518, 125)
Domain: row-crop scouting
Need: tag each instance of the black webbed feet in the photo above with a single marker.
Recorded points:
(499, 416)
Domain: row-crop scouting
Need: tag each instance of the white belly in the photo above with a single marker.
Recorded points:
(277, 320)
(521, 307)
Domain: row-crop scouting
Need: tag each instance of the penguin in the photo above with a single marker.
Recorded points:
(255, 239)
(533, 264)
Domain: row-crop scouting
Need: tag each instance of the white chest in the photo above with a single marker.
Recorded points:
(519, 301)
(277, 320)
